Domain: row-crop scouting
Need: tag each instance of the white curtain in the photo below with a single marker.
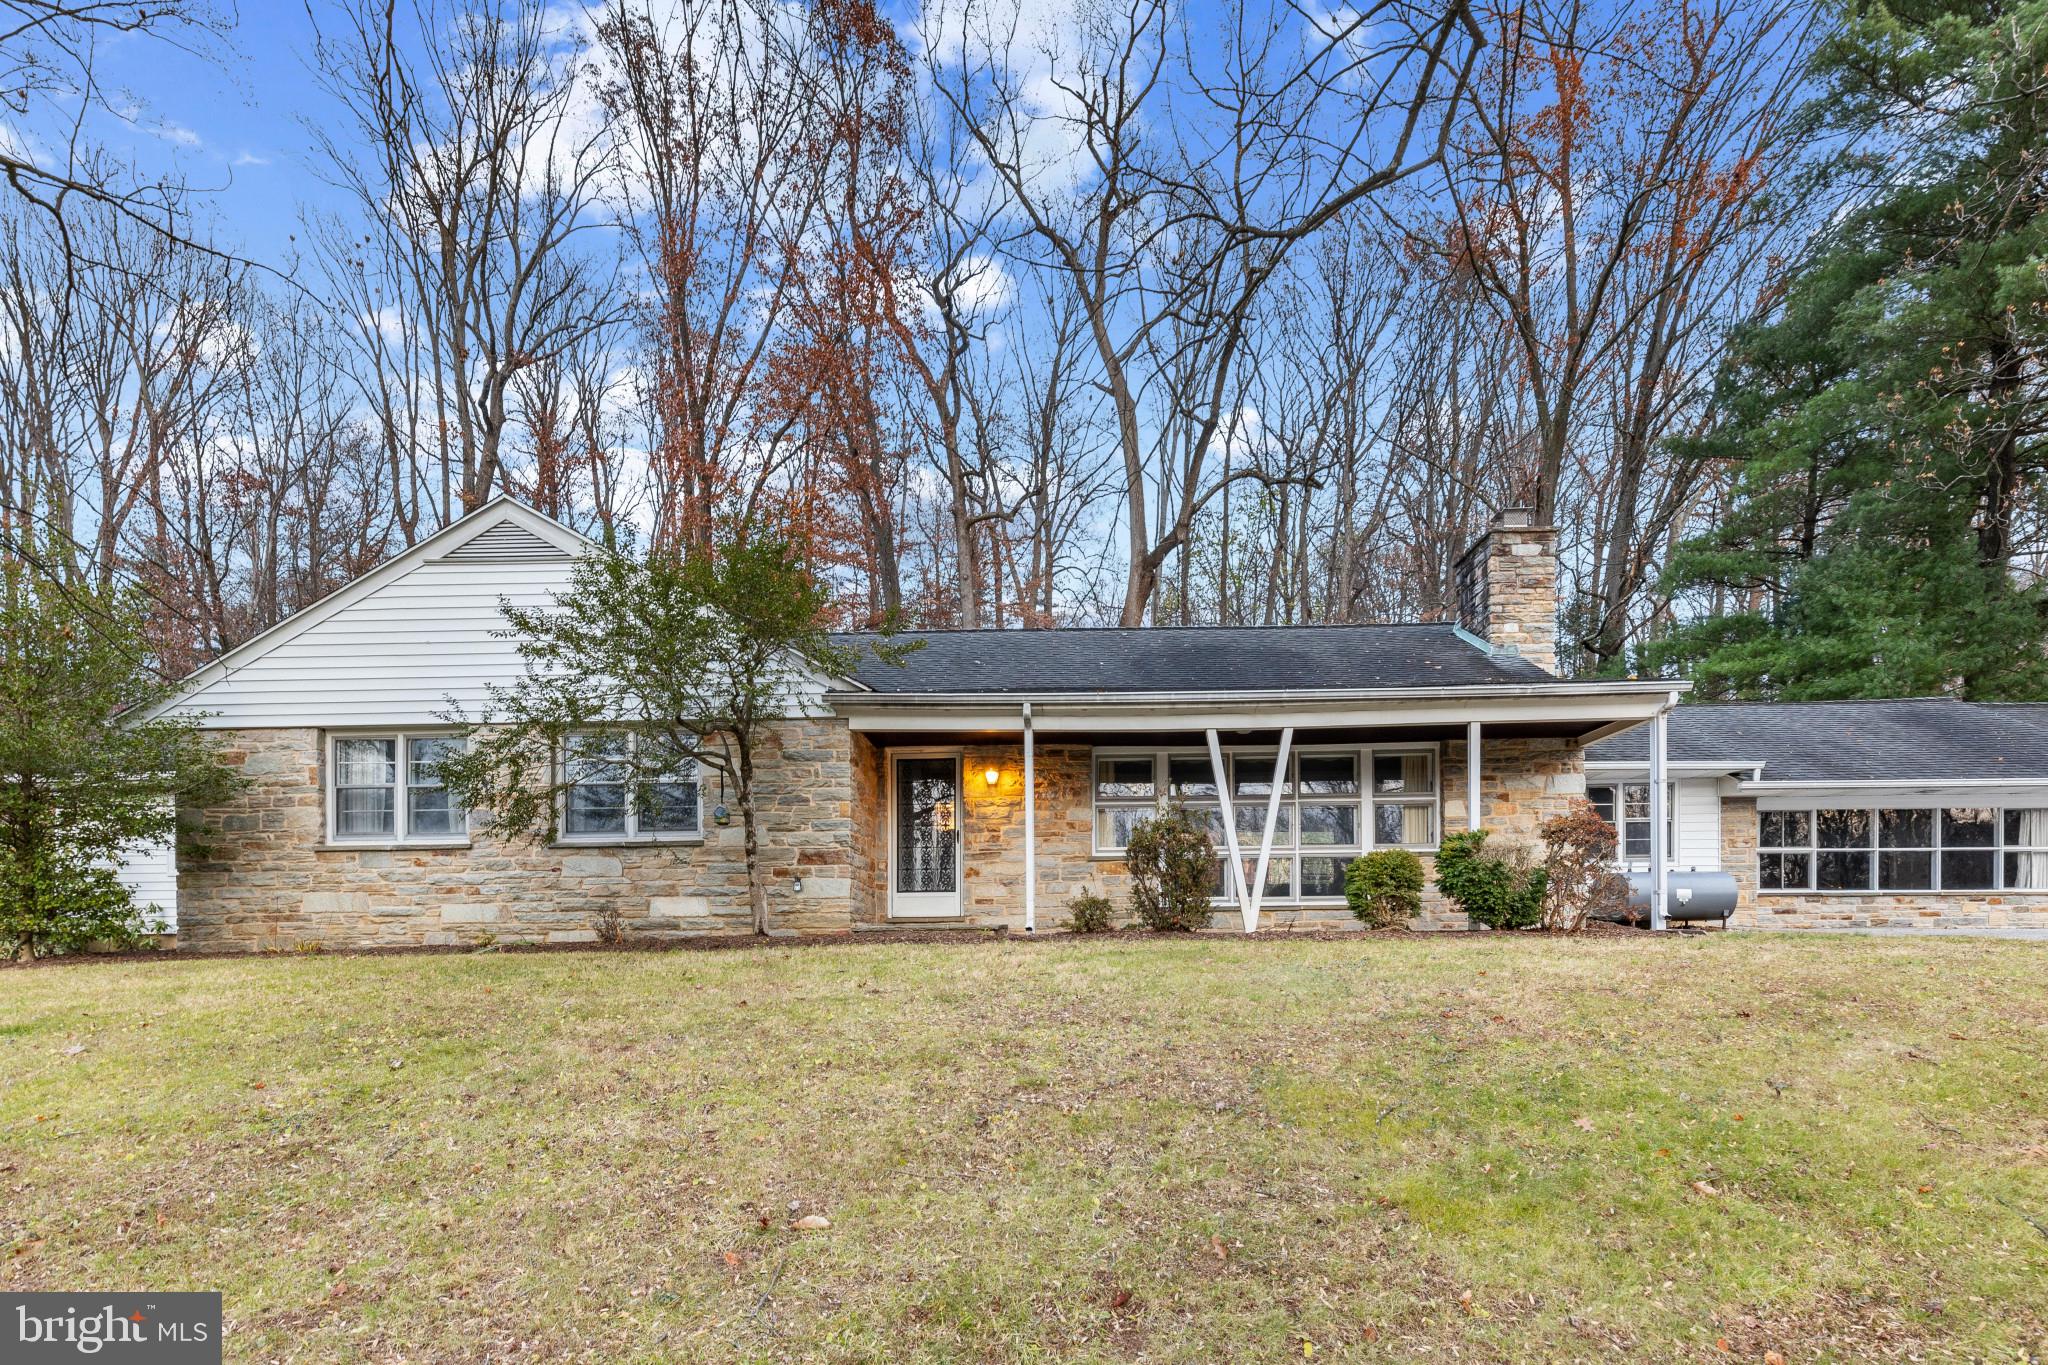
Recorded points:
(2030, 863)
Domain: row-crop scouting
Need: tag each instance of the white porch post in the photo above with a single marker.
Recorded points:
(1236, 877)
(1472, 821)
(1030, 832)
(1258, 886)
(1659, 855)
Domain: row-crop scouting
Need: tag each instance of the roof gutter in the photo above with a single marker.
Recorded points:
(1198, 697)
(1889, 784)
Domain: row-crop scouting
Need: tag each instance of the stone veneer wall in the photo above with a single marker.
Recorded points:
(1523, 783)
(271, 882)
(1854, 910)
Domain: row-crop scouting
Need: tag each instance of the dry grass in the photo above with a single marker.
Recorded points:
(1473, 1148)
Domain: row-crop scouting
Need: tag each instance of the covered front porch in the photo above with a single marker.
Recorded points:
(987, 818)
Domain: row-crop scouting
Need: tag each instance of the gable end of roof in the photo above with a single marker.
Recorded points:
(507, 541)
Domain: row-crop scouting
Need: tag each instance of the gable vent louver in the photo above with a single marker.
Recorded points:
(507, 540)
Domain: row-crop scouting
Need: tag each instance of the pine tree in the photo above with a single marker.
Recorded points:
(1887, 421)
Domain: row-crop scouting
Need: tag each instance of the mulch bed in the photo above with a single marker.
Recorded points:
(726, 943)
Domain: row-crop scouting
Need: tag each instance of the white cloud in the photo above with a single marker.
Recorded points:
(984, 285)
(248, 158)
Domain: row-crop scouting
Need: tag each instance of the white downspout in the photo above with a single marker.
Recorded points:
(1030, 831)
(1258, 886)
(1236, 878)
(1472, 820)
(1660, 872)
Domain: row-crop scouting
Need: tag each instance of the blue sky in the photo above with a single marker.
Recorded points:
(231, 120)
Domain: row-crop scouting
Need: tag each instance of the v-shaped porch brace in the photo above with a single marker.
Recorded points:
(1248, 896)
(1235, 879)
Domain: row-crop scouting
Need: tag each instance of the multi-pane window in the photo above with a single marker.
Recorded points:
(388, 787)
(1626, 807)
(1906, 848)
(1126, 795)
(1404, 798)
(618, 789)
(1325, 816)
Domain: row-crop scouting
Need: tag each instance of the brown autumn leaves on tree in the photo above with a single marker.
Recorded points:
(1124, 313)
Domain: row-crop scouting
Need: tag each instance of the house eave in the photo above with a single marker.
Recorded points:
(1876, 784)
(1591, 705)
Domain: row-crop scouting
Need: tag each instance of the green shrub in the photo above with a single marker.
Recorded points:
(1089, 914)
(1384, 888)
(1499, 892)
(1172, 867)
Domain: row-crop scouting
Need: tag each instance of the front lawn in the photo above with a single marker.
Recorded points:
(1474, 1148)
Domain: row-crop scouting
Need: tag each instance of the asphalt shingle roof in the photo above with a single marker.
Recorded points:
(1193, 659)
(1923, 739)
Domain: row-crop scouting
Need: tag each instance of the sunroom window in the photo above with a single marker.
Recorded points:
(1324, 820)
(388, 787)
(1902, 849)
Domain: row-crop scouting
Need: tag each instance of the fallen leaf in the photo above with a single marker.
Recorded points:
(74, 1049)
(1120, 1299)
(1583, 1124)
(811, 1222)
(1702, 1187)
(1773, 1358)
(1721, 1344)
(1216, 1245)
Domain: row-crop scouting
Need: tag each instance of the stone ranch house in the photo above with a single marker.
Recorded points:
(996, 775)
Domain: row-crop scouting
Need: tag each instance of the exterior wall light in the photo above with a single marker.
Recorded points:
(991, 776)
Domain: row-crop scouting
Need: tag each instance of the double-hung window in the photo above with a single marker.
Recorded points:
(1625, 806)
(619, 788)
(388, 789)
(1903, 849)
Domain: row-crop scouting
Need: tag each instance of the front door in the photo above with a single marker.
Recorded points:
(924, 873)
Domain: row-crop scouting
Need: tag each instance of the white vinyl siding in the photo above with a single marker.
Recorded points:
(397, 656)
(150, 872)
(1696, 806)
(402, 654)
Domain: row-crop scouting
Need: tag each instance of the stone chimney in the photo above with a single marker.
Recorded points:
(1507, 587)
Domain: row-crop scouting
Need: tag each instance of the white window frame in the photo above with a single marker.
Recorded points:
(1620, 788)
(1999, 849)
(401, 797)
(1291, 849)
(631, 833)
(1434, 799)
